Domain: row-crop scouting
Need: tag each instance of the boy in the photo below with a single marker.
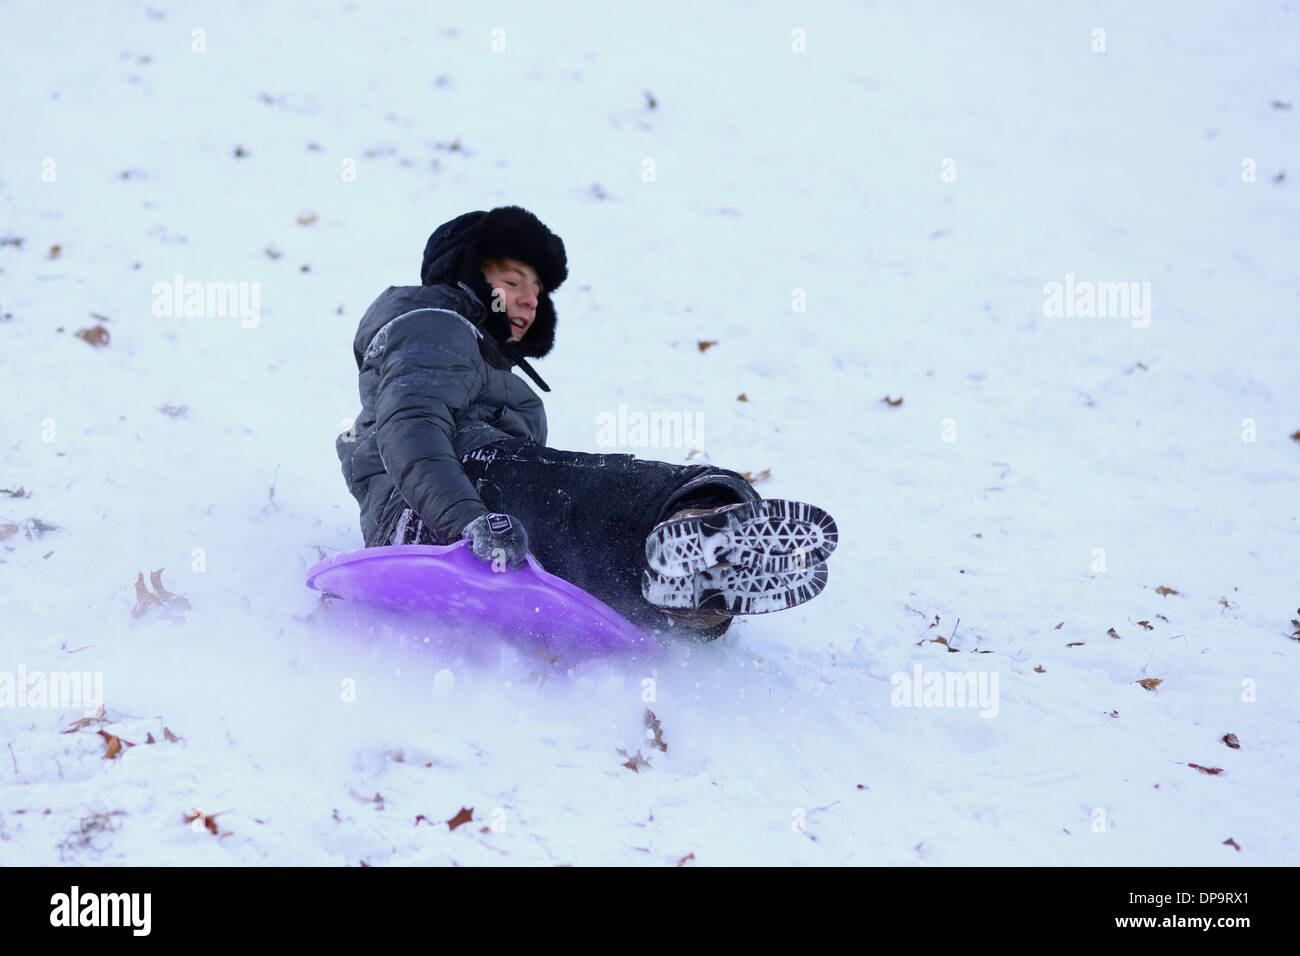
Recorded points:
(450, 444)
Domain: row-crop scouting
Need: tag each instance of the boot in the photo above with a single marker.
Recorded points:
(767, 535)
(707, 564)
(689, 617)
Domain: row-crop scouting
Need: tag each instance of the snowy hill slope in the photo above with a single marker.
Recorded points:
(1041, 479)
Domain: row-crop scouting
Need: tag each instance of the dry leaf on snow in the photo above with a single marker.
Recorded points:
(114, 746)
(96, 335)
(143, 599)
(167, 597)
(465, 815)
(96, 718)
(655, 729)
(633, 763)
(173, 605)
(209, 821)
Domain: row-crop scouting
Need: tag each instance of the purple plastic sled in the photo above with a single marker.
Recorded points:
(526, 605)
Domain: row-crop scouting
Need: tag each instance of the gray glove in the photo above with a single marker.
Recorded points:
(497, 538)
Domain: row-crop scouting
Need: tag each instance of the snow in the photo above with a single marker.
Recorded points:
(773, 171)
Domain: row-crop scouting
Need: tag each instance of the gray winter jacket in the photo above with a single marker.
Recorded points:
(432, 390)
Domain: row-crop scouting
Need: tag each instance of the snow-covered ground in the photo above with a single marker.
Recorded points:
(912, 175)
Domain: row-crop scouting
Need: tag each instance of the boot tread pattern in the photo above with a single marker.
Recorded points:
(735, 588)
(770, 535)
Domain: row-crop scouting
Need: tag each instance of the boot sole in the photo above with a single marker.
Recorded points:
(735, 589)
(768, 535)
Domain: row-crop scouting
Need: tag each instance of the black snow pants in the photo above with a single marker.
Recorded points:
(588, 515)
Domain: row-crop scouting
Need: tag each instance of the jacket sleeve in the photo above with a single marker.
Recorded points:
(428, 370)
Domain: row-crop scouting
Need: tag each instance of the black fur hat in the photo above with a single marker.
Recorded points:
(512, 232)
(457, 248)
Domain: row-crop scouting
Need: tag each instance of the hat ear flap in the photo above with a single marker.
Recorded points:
(468, 270)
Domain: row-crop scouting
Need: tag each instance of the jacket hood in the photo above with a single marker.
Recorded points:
(452, 256)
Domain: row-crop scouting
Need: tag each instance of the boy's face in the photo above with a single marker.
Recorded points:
(516, 286)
